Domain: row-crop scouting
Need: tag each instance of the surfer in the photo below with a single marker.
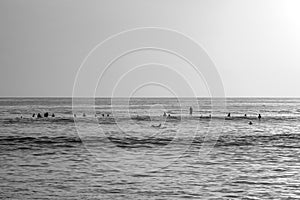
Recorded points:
(156, 126)
(259, 117)
(191, 110)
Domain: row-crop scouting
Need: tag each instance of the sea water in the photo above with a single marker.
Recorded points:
(134, 152)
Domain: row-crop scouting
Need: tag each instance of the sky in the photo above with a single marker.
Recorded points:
(254, 45)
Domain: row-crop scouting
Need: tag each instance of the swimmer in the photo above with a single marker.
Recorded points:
(259, 117)
(250, 123)
(107, 115)
(33, 115)
(46, 114)
(84, 115)
(102, 114)
(159, 125)
(74, 115)
(191, 110)
(245, 115)
(53, 115)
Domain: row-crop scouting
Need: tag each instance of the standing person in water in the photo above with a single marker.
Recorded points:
(191, 110)
(259, 117)
(228, 115)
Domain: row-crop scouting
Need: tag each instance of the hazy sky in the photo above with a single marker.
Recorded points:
(255, 44)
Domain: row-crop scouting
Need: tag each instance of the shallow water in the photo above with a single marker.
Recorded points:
(127, 155)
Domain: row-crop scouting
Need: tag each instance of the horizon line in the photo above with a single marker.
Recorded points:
(123, 97)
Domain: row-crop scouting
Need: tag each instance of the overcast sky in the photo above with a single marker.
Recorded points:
(255, 44)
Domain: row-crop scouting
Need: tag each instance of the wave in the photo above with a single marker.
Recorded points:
(155, 118)
(41, 141)
(37, 120)
(114, 120)
(134, 142)
(199, 118)
(277, 140)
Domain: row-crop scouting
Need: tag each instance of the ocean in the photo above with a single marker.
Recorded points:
(126, 149)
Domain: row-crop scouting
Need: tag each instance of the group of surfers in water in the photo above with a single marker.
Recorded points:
(84, 115)
(191, 113)
(250, 122)
(46, 115)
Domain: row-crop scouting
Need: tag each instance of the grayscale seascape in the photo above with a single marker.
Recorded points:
(149, 100)
(47, 159)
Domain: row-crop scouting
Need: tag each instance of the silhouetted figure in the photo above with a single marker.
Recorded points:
(165, 114)
(39, 115)
(33, 115)
(84, 115)
(53, 115)
(250, 123)
(46, 114)
(156, 126)
(259, 117)
(228, 115)
(191, 110)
